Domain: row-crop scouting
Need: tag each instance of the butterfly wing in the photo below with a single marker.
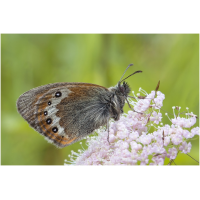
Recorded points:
(65, 112)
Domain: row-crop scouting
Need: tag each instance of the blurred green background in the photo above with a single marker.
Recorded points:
(31, 60)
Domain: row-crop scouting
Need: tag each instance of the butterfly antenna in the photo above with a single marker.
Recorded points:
(125, 72)
(131, 75)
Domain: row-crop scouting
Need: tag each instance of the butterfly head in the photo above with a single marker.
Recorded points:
(123, 89)
(119, 95)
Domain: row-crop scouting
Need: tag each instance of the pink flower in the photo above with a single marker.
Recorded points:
(132, 136)
(135, 146)
(185, 147)
(122, 134)
(176, 139)
(151, 95)
(158, 149)
(142, 105)
(156, 117)
(190, 122)
(158, 160)
(160, 95)
(185, 123)
(172, 153)
(148, 150)
(166, 140)
(143, 158)
(195, 131)
(187, 134)
(145, 139)
(112, 138)
(158, 102)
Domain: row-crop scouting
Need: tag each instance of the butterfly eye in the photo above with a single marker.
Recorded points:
(55, 129)
(58, 94)
(121, 89)
(48, 121)
(49, 103)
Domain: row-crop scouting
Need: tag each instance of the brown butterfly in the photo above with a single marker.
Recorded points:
(67, 112)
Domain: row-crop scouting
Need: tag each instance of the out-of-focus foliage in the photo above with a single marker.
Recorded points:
(31, 60)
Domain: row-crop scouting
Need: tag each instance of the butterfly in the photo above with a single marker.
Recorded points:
(65, 113)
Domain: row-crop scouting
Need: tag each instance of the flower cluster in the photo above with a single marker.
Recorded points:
(140, 137)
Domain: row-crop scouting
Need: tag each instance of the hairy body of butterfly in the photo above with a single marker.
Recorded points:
(67, 112)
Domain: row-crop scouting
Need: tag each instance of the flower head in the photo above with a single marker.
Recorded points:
(133, 141)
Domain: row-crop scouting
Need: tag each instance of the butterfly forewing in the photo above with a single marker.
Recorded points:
(64, 112)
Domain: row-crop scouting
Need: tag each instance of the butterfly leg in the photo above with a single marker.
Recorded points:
(131, 107)
(108, 130)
